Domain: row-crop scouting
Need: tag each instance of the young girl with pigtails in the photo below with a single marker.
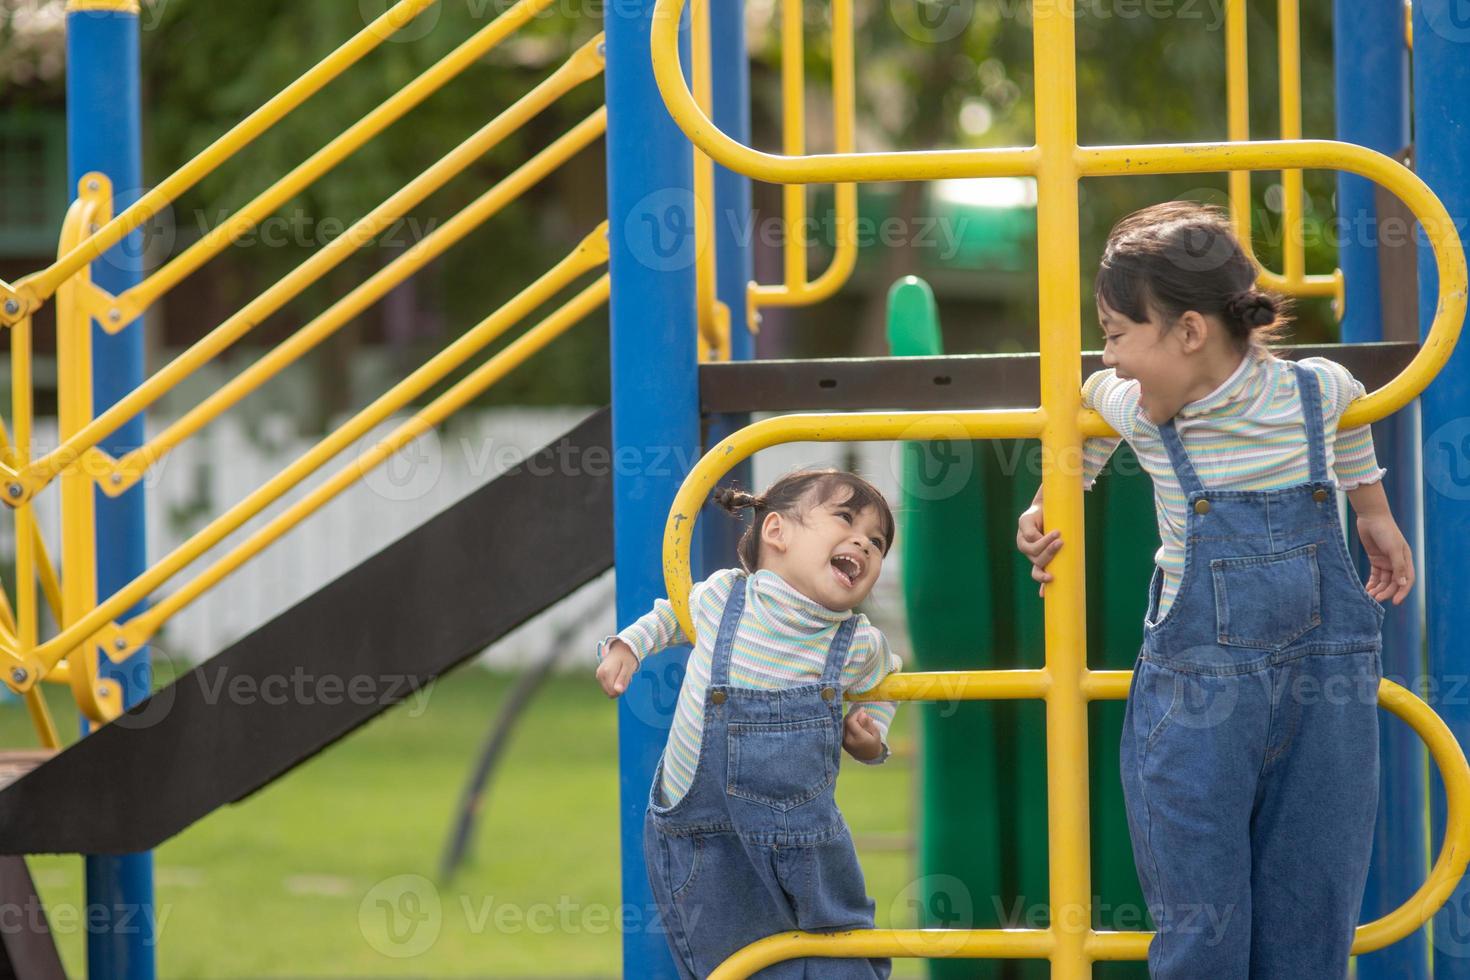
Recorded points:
(1249, 754)
(742, 835)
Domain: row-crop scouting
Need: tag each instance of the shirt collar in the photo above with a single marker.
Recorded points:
(781, 604)
(1232, 389)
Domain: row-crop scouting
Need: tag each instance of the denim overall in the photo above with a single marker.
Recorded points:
(1249, 754)
(756, 846)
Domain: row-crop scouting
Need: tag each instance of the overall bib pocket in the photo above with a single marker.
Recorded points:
(781, 764)
(1267, 602)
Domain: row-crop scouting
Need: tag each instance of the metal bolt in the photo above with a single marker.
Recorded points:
(19, 674)
(15, 490)
(116, 479)
(602, 49)
(93, 185)
(114, 314)
(121, 643)
(11, 307)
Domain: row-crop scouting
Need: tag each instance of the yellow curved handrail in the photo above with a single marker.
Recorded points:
(1449, 865)
(1439, 229)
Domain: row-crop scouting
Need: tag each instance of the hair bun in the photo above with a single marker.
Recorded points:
(735, 500)
(1253, 308)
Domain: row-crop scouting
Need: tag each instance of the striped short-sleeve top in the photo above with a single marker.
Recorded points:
(1247, 434)
(782, 641)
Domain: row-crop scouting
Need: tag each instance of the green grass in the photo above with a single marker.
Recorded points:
(288, 883)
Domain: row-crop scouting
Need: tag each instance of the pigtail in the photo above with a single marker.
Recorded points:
(735, 500)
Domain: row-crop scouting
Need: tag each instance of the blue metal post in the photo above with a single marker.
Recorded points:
(1372, 66)
(104, 133)
(655, 417)
(103, 121)
(733, 250)
(1442, 157)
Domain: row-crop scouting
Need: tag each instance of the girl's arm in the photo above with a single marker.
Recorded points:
(865, 729)
(1388, 553)
(619, 656)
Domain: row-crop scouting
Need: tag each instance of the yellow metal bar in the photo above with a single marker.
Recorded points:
(926, 943)
(812, 169)
(98, 700)
(131, 467)
(584, 64)
(25, 550)
(137, 630)
(1065, 608)
(793, 138)
(35, 289)
(1440, 230)
(800, 292)
(714, 328)
(1237, 85)
(121, 6)
(143, 295)
(1293, 211)
(850, 427)
(959, 685)
(589, 254)
(24, 670)
(50, 583)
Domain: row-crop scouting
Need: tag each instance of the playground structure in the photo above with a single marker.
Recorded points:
(681, 344)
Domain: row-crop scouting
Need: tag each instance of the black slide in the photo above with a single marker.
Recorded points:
(433, 599)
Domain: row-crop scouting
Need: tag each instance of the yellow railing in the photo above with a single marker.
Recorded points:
(797, 290)
(1065, 683)
(87, 627)
(1293, 278)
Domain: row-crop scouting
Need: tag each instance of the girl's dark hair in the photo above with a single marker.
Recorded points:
(1181, 256)
(790, 497)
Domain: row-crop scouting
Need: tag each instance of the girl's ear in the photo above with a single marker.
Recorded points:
(1193, 329)
(774, 532)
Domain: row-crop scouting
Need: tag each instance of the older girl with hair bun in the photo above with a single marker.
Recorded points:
(1249, 755)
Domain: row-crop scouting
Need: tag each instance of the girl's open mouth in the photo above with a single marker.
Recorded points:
(847, 569)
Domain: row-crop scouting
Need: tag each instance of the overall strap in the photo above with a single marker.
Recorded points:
(719, 671)
(1183, 469)
(1311, 399)
(837, 652)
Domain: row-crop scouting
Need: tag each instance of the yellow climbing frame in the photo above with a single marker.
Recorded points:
(1065, 683)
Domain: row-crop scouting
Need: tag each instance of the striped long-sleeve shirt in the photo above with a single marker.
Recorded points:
(783, 641)
(1247, 434)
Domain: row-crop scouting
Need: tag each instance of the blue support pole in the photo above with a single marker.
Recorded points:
(655, 418)
(734, 258)
(1372, 68)
(1442, 157)
(104, 133)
